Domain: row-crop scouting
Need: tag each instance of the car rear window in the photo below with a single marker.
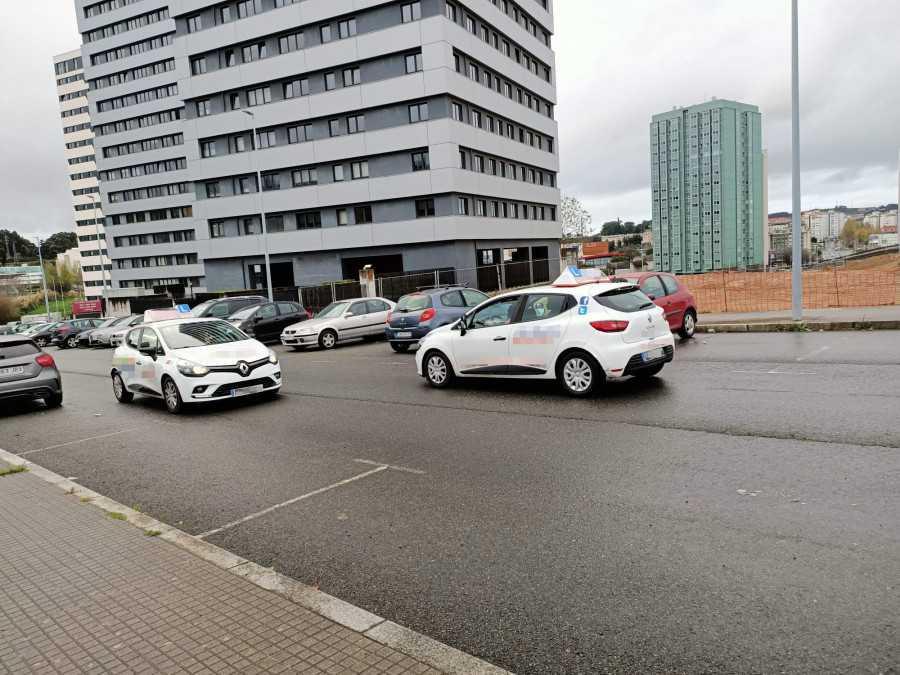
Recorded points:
(452, 299)
(11, 350)
(624, 299)
(414, 303)
(670, 283)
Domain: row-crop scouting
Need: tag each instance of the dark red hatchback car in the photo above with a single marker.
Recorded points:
(667, 292)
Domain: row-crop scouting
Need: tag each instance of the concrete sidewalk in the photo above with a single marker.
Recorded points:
(843, 318)
(82, 592)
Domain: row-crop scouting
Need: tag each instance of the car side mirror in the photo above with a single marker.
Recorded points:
(147, 350)
(462, 326)
(257, 319)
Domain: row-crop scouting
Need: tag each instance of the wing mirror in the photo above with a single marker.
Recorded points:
(147, 350)
(461, 326)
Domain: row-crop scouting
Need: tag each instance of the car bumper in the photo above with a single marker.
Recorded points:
(46, 384)
(629, 358)
(393, 334)
(306, 340)
(217, 386)
(98, 341)
(116, 341)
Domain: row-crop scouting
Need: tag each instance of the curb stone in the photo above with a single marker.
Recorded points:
(408, 642)
(785, 326)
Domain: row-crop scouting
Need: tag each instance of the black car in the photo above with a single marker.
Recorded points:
(42, 338)
(225, 307)
(65, 333)
(266, 321)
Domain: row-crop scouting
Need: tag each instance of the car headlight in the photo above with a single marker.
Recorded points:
(306, 331)
(190, 368)
(273, 357)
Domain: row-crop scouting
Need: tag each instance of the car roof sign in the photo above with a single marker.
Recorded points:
(163, 314)
(572, 276)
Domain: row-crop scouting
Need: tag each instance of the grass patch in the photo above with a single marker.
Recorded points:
(138, 508)
(71, 491)
(115, 515)
(152, 533)
(16, 468)
(863, 325)
(85, 499)
(792, 328)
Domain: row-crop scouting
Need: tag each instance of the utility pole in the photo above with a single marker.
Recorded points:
(262, 211)
(796, 240)
(43, 278)
(100, 253)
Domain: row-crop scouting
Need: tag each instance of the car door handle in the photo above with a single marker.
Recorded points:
(137, 363)
(499, 339)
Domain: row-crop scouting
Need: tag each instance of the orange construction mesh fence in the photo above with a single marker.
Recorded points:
(762, 292)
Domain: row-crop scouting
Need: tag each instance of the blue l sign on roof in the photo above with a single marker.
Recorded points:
(183, 309)
(574, 271)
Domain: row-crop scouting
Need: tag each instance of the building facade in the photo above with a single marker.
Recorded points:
(72, 89)
(404, 135)
(707, 188)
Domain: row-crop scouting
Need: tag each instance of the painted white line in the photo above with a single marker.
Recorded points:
(770, 372)
(390, 466)
(820, 349)
(83, 440)
(246, 519)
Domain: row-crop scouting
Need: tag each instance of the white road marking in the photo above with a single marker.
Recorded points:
(770, 372)
(390, 466)
(252, 516)
(83, 440)
(820, 349)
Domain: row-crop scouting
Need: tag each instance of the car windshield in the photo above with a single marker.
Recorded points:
(625, 299)
(200, 334)
(203, 306)
(109, 322)
(245, 313)
(333, 310)
(414, 303)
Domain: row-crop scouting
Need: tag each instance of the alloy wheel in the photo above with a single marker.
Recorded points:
(170, 394)
(578, 375)
(437, 369)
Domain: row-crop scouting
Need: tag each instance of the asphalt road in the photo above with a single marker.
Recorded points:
(736, 514)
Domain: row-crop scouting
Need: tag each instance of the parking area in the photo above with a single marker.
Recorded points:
(738, 513)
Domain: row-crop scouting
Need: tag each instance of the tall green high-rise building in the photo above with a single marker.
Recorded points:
(707, 188)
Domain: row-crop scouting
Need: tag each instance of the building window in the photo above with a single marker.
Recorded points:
(300, 133)
(351, 77)
(492, 166)
(216, 229)
(234, 101)
(424, 208)
(329, 81)
(250, 226)
(478, 163)
(194, 24)
(470, 25)
(475, 118)
(473, 72)
(480, 207)
(462, 159)
(359, 170)
(249, 8)
(462, 206)
(420, 161)
(355, 124)
(341, 216)
(275, 223)
(271, 181)
(288, 90)
(334, 127)
(494, 209)
(253, 52)
(347, 28)
(411, 12)
(418, 112)
(237, 143)
(259, 96)
(309, 221)
(337, 172)
(229, 59)
(212, 190)
(203, 108)
(304, 177)
(325, 33)
(362, 214)
(290, 43)
(208, 149)
(451, 12)
(265, 139)
(198, 65)
(413, 63)
(245, 185)
(224, 14)
(457, 111)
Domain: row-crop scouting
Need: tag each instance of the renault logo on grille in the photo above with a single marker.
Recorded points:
(244, 368)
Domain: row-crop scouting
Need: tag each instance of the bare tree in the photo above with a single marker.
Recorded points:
(576, 220)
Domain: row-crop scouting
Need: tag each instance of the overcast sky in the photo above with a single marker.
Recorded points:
(619, 62)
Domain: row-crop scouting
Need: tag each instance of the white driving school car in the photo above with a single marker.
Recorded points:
(192, 360)
(581, 329)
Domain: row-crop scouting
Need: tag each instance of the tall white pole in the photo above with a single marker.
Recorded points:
(43, 278)
(262, 211)
(100, 253)
(796, 244)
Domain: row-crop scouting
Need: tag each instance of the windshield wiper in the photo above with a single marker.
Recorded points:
(646, 304)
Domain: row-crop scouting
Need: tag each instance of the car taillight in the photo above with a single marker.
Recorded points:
(308, 315)
(389, 318)
(609, 326)
(427, 315)
(63, 330)
(44, 360)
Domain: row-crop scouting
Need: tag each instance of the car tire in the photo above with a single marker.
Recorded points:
(646, 373)
(400, 347)
(438, 370)
(41, 342)
(72, 342)
(119, 391)
(327, 339)
(579, 374)
(53, 401)
(172, 397)
(688, 325)
(297, 348)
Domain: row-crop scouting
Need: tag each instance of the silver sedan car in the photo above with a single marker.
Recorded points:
(343, 320)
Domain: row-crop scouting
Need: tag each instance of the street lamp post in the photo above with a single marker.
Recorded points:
(262, 211)
(796, 241)
(43, 278)
(100, 253)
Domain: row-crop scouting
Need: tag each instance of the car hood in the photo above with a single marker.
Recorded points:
(312, 324)
(223, 355)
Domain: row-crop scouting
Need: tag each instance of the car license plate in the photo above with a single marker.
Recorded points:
(406, 334)
(243, 391)
(653, 354)
(12, 370)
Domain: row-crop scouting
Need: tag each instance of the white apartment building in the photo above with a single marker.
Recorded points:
(825, 224)
(881, 219)
(407, 135)
(71, 88)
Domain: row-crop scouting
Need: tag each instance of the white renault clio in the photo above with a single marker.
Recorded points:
(192, 360)
(581, 329)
